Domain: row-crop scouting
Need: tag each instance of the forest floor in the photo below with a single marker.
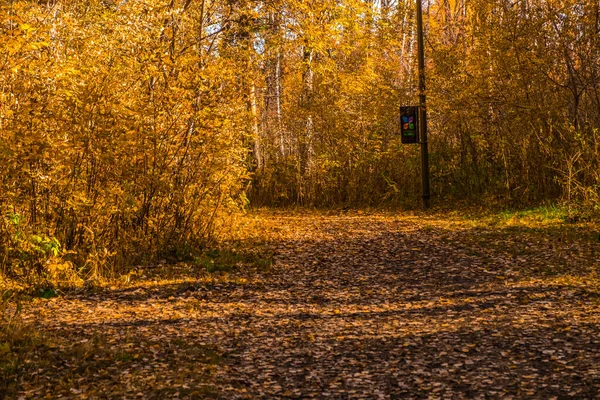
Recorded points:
(354, 305)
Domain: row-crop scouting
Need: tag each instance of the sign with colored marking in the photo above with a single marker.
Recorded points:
(409, 124)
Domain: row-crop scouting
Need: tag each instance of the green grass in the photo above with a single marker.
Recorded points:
(232, 260)
(541, 213)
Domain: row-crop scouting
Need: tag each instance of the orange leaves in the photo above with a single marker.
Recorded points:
(348, 310)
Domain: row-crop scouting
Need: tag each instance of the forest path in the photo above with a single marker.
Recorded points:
(355, 306)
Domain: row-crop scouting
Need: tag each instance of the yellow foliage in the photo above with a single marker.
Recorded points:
(118, 137)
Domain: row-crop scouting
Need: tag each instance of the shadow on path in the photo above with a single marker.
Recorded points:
(359, 309)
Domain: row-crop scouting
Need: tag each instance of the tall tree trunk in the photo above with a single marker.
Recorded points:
(280, 132)
(256, 137)
(306, 148)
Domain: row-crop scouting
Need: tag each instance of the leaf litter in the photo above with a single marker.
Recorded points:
(355, 305)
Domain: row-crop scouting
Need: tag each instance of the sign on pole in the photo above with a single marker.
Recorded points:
(422, 109)
(409, 124)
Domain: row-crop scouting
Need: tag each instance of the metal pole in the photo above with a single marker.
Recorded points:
(422, 109)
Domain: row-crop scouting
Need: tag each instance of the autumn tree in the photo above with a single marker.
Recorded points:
(121, 131)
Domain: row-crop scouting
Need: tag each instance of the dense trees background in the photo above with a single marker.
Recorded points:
(130, 130)
(513, 94)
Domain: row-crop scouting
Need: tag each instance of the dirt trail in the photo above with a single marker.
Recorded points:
(355, 306)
